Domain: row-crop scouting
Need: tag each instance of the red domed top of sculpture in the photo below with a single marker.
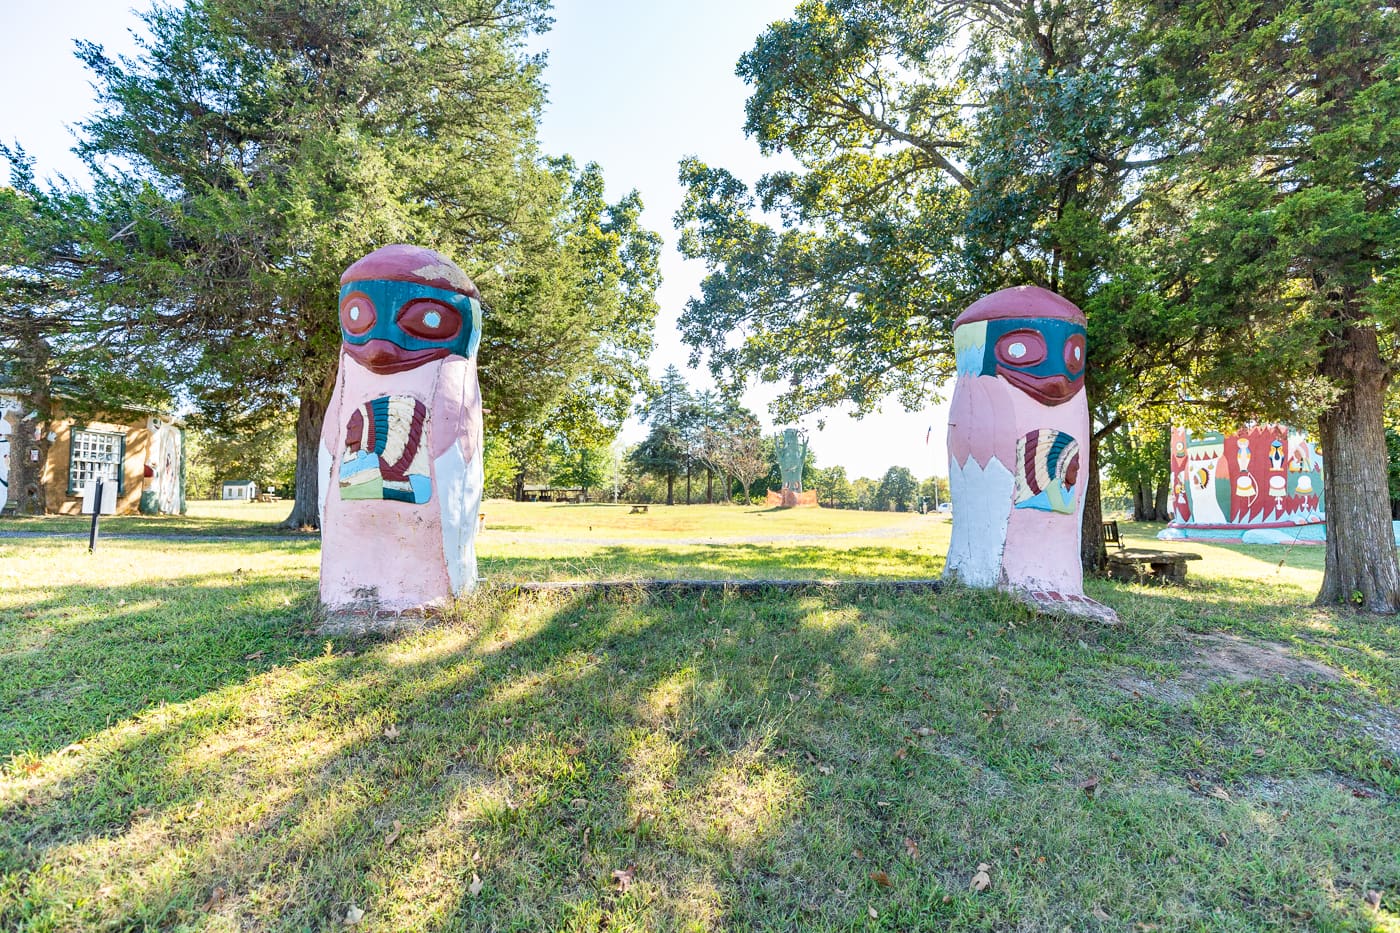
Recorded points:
(401, 262)
(1027, 301)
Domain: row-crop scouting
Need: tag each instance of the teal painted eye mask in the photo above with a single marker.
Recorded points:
(409, 315)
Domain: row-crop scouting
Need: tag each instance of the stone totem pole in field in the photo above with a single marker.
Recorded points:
(401, 449)
(1018, 442)
(792, 455)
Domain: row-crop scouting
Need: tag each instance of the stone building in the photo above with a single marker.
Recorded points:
(45, 464)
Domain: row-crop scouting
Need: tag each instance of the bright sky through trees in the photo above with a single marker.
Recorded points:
(633, 84)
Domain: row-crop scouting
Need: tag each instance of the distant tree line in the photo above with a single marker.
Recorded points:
(704, 447)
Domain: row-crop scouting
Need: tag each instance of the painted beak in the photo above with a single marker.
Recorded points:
(1048, 390)
(383, 357)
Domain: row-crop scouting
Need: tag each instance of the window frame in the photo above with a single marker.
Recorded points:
(73, 451)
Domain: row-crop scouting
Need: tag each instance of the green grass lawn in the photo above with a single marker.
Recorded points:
(180, 750)
(204, 517)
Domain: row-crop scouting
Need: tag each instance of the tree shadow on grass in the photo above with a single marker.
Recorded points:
(478, 747)
(78, 658)
(750, 763)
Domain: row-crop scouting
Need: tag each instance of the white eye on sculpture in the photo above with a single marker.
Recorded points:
(1016, 350)
(354, 312)
(432, 319)
(1078, 353)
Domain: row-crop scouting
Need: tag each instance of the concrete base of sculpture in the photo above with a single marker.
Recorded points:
(787, 499)
(1081, 607)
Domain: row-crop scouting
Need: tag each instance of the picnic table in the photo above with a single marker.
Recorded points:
(636, 509)
(1139, 564)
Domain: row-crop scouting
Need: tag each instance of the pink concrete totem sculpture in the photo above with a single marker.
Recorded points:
(400, 460)
(1018, 437)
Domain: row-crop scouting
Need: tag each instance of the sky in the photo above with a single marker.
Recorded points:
(634, 85)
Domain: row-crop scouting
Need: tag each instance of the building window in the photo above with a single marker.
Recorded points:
(94, 454)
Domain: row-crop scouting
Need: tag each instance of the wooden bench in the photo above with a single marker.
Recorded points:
(636, 509)
(1140, 564)
(1111, 535)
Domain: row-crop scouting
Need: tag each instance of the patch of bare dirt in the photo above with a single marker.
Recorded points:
(1216, 659)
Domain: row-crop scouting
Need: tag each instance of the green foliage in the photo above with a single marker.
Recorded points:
(253, 149)
(264, 453)
(944, 151)
(898, 489)
(832, 487)
(936, 490)
(662, 454)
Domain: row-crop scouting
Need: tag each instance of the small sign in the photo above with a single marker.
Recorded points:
(109, 497)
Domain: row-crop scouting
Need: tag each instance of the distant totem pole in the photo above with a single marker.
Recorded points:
(401, 450)
(792, 455)
(1018, 440)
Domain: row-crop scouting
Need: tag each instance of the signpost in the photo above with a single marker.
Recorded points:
(99, 498)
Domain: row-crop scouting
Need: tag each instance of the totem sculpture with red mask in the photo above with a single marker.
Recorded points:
(1018, 441)
(400, 460)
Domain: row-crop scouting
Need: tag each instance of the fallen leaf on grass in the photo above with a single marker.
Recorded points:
(254, 656)
(353, 916)
(216, 897)
(902, 754)
(911, 848)
(393, 834)
(982, 880)
(824, 769)
(1090, 786)
(140, 813)
(477, 884)
(1101, 914)
(882, 879)
(625, 878)
(391, 731)
(1374, 899)
(923, 731)
(874, 914)
(1218, 792)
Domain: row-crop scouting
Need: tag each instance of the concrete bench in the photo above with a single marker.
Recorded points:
(1139, 564)
(636, 509)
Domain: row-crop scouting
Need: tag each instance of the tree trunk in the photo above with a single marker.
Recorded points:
(30, 446)
(709, 486)
(311, 415)
(1092, 554)
(1139, 504)
(30, 442)
(687, 484)
(1159, 502)
(1361, 568)
(670, 489)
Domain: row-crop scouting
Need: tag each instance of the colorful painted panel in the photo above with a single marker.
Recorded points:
(1261, 476)
(9, 416)
(385, 456)
(1047, 468)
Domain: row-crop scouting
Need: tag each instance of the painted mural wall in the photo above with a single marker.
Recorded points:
(1261, 477)
(163, 489)
(9, 423)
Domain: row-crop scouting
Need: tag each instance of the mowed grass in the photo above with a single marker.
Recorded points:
(181, 750)
(203, 517)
